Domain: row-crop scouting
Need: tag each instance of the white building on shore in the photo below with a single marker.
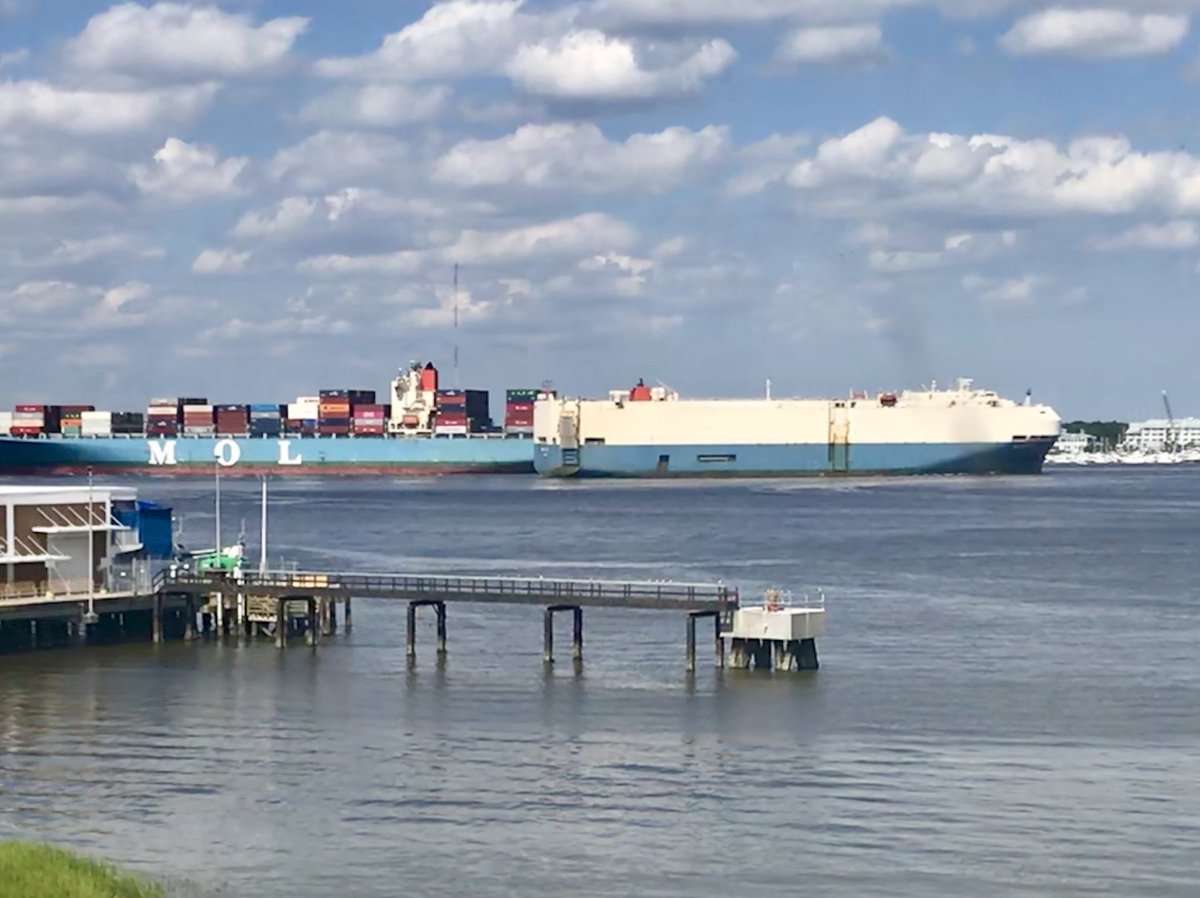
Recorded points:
(1158, 434)
(1072, 443)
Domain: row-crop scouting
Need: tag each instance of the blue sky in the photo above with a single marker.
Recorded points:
(253, 200)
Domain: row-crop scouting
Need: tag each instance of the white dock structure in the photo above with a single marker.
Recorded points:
(781, 634)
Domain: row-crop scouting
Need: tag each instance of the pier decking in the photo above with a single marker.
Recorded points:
(285, 603)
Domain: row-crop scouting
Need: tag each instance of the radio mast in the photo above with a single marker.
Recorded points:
(457, 385)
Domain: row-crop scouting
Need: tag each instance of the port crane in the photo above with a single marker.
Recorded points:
(1171, 440)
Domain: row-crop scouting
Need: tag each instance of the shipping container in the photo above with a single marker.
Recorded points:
(519, 407)
(450, 430)
(521, 395)
(29, 408)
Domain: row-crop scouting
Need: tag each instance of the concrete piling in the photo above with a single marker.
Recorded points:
(346, 615)
(548, 632)
(157, 624)
(312, 629)
(281, 624)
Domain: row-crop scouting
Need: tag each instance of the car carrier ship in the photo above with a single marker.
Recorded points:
(422, 430)
(652, 432)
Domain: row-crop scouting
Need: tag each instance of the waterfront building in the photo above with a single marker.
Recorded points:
(1158, 434)
(45, 533)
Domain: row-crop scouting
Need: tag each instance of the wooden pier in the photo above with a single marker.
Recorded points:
(285, 604)
(316, 595)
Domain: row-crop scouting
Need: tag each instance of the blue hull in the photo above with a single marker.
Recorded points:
(814, 460)
(307, 456)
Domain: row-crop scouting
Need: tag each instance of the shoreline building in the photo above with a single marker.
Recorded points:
(1158, 434)
(44, 542)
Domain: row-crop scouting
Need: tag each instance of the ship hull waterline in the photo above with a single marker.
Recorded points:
(254, 457)
(792, 461)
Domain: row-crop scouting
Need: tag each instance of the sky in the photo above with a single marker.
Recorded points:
(255, 199)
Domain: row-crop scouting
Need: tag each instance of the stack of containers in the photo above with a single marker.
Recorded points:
(232, 420)
(198, 420)
(162, 418)
(128, 423)
(6, 420)
(71, 419)
(96, 424)
(518, 412)
(369, 420)
(302, 416)
(28, 421)
(265, 420)
(333, 413)
(461, 411)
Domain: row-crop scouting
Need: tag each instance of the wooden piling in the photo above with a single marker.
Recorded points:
(157, 619)
(281, 624)
(346, 615)
(548, 636)
(440, 609)
(577, 635)
(313, 625)
(189, 620)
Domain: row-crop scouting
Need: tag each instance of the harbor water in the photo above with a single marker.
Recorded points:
(1007, 704)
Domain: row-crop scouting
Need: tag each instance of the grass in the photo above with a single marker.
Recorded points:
(41, 871)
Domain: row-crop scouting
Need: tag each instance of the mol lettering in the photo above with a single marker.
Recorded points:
(285, 454)
(162, 452)
(227, 452)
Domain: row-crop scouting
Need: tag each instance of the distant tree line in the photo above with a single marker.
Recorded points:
(1107, 433)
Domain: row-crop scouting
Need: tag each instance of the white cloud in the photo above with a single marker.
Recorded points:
(182, 40)
(77, 252)
(1095, 33)
(590, 65)
(579, 157)
(329, 160)
(220, 261)
(590, 233)
(75, 305)
(401, 262)
(183, 173)
(453, 39)
(881, 166)
(708, 12)
(13, 57)
(1004, 292)
(377, 105)
(833, 44)
(38, 105)
(958, 247)
(290, 215)
(1169, 235)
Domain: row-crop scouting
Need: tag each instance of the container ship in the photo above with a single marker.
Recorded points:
(651, 432)
(423, 429)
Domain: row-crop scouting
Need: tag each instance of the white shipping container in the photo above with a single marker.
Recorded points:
(36, 417)
(6, 420)
(203, 409)
(450, 429)
(96, 417)
(162, 410)
(96, 430)
(303, 411)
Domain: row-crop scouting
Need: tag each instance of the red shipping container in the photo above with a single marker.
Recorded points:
(30, 408)
(519, 406)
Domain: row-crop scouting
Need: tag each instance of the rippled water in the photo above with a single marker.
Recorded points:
(1009, 702)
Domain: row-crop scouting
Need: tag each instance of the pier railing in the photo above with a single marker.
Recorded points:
(494, 589)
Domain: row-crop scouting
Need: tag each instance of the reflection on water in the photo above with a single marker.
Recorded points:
(1006, 707)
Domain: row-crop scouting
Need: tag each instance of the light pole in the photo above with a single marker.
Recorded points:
(91, 617)
(262, 540)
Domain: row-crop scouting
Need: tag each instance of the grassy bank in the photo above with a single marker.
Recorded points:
(39, 871)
